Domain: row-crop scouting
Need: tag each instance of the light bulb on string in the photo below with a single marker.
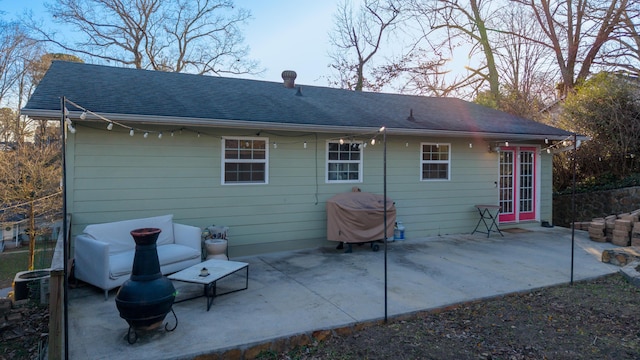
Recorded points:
(198, 133)
(110, 126)
(373, 141)
(305, 145)
(172, 134)
(131, 132)
(506, 143)
(66, 111)
(341, 141)
(70, 126)
(83, 115)
(364, 144)
(548, 150)
(160, 135)
(275, 145)
(546, 141)
(146, 134)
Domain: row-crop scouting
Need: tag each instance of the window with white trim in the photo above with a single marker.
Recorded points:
(344, 161)
(435, 161)
(244, 160)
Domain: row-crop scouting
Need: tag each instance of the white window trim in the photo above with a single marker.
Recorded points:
(360, 163)
(448, 162)
(224, 160)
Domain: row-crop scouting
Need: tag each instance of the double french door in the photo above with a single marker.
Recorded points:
(518, 185)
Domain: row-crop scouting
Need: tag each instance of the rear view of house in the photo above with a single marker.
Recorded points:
(263, 157)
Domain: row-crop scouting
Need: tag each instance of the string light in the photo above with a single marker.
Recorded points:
(132, 130)
(470, 145)
(506, 143)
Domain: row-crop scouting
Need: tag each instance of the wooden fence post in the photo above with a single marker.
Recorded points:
(56, 289)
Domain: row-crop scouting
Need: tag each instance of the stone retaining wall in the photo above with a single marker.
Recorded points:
(595, 204)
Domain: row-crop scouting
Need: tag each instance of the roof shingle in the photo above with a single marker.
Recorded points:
(112, 90)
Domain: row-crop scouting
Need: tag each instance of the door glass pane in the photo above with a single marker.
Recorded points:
(506, 181)
(526, 181)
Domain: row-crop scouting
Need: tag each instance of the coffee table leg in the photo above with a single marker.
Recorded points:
(210, 293)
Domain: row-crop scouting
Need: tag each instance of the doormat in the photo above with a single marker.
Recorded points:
(515, 230)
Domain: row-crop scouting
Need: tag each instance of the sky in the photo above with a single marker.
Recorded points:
(283, 35)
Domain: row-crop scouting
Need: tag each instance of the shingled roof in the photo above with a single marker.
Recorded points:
(142, 96)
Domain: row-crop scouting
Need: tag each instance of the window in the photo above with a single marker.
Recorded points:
(344, 161)
(244, 160)
(435, 161)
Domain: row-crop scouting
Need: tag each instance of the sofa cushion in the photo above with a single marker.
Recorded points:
(172, 253)
(118, 234)
(121, 264)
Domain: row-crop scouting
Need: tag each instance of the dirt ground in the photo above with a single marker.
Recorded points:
(25, 340)
(597, 319)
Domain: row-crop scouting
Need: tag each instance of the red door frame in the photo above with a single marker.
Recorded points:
(516, 213)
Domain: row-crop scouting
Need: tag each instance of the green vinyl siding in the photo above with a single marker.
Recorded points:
(546, 187)
(113, 176)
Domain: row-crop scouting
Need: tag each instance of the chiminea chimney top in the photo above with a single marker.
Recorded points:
(289, 77)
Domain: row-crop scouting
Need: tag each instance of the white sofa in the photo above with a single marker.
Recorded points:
(104, 253)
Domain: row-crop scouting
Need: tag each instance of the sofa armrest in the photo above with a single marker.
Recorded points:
(187, 235)
(91, 258)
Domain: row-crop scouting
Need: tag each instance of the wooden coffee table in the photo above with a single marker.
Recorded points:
(217, 270)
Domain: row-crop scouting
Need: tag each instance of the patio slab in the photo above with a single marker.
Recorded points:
(298, 292)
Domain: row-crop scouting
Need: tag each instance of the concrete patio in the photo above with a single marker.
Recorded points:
(296, 293)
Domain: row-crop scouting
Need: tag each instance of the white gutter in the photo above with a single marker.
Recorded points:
(272, 126)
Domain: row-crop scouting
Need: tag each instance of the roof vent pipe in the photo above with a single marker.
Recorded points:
(289, 77)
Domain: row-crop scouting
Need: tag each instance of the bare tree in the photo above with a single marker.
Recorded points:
(356, 38)
(525, 66)
(623, 52)
(30, 179)
(196, 36)
(419, 72)
(15, 51)
(576, 31)
(448, 24)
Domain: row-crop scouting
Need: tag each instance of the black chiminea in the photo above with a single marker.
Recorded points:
(147, 297)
